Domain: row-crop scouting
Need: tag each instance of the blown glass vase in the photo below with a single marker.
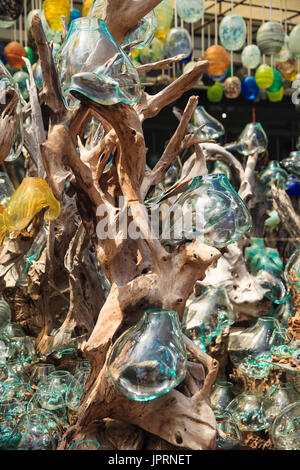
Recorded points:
(285, 431)
(92, 63)
(279, 397)
(292, 163)
(213, 129)
(247, 411)
(233, 435)
(253, 139)
(150, 358)
(221, 395)
(207, 315)
(209, 210)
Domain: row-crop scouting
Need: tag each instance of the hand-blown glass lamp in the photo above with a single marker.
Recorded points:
(207, 316)
(209, 210)
(233, 31)
(93, 64)
(150, 358)
(190, 11)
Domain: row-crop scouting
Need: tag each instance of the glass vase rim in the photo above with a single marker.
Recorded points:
(87, 20)
(258, 393)
(61, 373)
(224, 383)
(159, 310)
(85, 440)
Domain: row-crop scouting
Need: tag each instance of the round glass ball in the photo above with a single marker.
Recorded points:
(264, 76)
(270, 38)
(215, 92)
(178, 41)
(294, 41)
(250, 90)
(190, 11)
(232, 32)
(277, 82)
(251, 56)
(218, 60)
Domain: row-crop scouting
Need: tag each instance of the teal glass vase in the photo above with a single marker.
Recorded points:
(221, 395)
(285, 432)
(272, 286)
(150, 358)
(207, 315)
(248, 412)
(210, 211)
(92, 63)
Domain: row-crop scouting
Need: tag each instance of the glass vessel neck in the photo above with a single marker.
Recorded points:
(87, 23)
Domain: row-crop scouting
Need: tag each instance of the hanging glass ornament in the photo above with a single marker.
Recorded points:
(164, 15)
(207, 315)
(294, 41)
(232, 32)
(218, 78)
(285, 61)
(13, 53)
(149, 359)
(264, 76)
(232, 87)
(92, 63)
(74, 15)
(213, 129)
(215, 92)
(277, 82)
(54, 10)
(218, 60)
(152, 53)
(190, 11)
(209, 210)
(251, 56)
(250, 89)
(145, 30)
(276, 96)
(29, 54)
(177, 41)
(270, 38)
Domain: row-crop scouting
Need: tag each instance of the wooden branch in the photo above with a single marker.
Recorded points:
(164, 64)
(121, 16)
(288, 217)
(172, 150)
(9, 101)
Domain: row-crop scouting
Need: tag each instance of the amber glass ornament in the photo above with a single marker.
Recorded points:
(13, 53)
(218, 60)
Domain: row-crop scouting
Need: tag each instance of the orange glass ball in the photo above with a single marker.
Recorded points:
(218, 60)
(13, 53)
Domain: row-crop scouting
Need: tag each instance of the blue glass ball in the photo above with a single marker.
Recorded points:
(292, 186)
(250, 89)
(74, 15)
(233, 32)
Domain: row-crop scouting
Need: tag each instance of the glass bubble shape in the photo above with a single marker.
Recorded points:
(272, 286)
(270, 37)
(247, 411)
(50, 398)
(178, 41)
(145, 30)
(28, 200)
(215, 92)
(149, 359)
(253, 341)
(250, 90)
(264, 76)
(251, 56)
(221, 395)
(190, 11)
(164, 15)
(232, 32)
(292, 163)
(7, 83)
(233, 435)
(252, 139)
(54, 10)
(207, 315)
(222, 167)
(92, 63)
(86, 444)
(232, 87)
(273, 173)
(39, 372)
(213, 129)
(294, 41)
(5, 313)
(57, 381)
(285, 432)
(209, 210)
(292, 270)
(37, 430)
(218, 60)
(152, 53)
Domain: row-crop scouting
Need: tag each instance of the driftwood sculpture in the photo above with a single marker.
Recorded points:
(141, 272)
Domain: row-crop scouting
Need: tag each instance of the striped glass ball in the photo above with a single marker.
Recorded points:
(54, 10)
(270, 38)
(264, 76)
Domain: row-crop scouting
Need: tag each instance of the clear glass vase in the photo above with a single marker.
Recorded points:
(221, 395)
(39, 372)
(279, 397)
(150, 358)
(253, 139)
(5, 313)
(233, 435)
(207, 315)
(273, 173)
(93, 64)
(248, 412)
(285, 433)
(292, 163)
(209, 210)
(213, 129)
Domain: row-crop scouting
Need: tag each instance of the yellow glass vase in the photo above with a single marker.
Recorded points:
(54, 10)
